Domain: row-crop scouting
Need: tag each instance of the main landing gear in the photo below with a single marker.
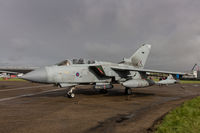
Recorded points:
(128, 91)
(103, 91)
(70, 93)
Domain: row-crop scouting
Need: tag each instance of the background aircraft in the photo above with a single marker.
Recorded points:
(12, 69)
(13, 72)
(9, 74)
(130, 73)
(170, 80)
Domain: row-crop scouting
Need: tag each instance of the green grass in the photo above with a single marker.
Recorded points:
(184, 119)
(189, 82)
(155, 79)
(12, 79)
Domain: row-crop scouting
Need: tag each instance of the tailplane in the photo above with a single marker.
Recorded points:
(139, 58)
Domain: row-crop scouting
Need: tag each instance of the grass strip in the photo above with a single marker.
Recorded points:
(11, 79)
(189, 82)
(184, 119)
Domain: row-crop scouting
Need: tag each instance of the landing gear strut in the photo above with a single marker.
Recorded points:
(70, 93)
(128, 91)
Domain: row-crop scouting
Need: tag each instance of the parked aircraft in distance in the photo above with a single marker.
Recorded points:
(9, 74)
(170, 80)
(130, 73)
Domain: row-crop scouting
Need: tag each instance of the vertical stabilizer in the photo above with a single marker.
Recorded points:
(139, 58)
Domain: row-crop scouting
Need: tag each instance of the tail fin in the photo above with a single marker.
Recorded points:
(139, 58)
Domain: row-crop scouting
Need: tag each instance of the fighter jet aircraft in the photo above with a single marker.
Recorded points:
(170, 80)
(130, 73)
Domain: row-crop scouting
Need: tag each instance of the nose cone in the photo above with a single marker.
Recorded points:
(38, 75)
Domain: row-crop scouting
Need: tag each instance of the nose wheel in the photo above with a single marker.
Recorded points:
(70, 93)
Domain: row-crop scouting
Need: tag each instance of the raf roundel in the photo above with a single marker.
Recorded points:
(77, 74)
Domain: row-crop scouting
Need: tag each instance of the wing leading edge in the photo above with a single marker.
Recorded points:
(122, 68)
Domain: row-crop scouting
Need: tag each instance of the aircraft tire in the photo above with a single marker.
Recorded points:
(128, 91)
(103, 91)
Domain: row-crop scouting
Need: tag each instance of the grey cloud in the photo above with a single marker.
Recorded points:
(42, 32)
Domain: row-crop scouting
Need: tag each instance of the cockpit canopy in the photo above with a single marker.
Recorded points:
(75, 61)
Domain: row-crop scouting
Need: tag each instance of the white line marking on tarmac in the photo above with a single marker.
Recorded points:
(24, 88)
(27, 95)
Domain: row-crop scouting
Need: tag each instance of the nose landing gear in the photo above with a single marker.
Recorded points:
(70, 93)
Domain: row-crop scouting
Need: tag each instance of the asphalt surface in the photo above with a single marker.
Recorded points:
(32, 108)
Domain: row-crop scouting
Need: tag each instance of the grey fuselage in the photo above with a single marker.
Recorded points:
(76, 74)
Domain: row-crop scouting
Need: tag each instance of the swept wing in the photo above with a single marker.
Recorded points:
(130, 68)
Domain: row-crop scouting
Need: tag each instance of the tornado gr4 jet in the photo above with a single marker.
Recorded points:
(170, 80)
(130, 73)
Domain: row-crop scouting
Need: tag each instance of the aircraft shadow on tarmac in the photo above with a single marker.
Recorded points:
(92, 92)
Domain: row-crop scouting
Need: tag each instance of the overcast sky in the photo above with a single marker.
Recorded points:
(43, 32)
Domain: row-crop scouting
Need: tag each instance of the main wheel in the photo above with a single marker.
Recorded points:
(128, 91)
(103, 91)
